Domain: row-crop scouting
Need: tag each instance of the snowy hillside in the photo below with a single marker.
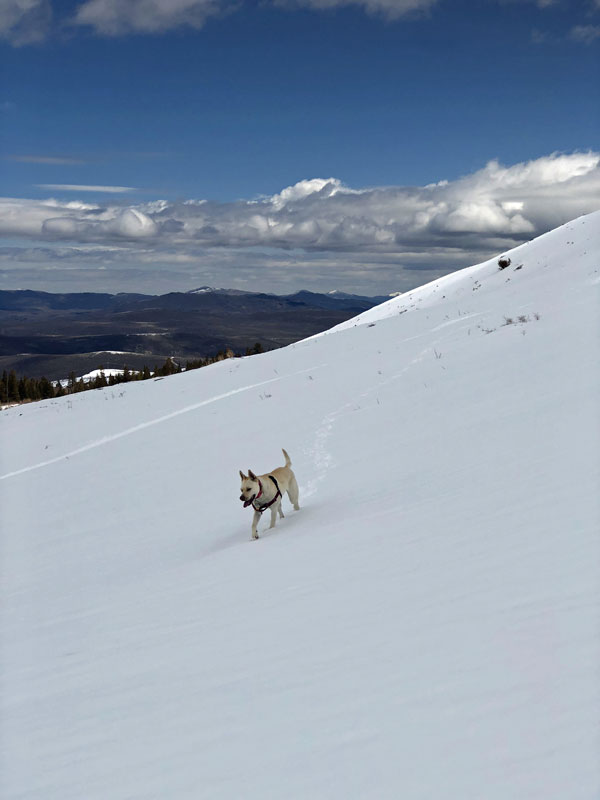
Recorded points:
(426, 626)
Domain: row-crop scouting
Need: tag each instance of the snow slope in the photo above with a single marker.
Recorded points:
(424, 627)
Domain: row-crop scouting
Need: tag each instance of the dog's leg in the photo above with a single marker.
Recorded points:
(279, 508)
(293, 493)
(274, 514)
(255, 524)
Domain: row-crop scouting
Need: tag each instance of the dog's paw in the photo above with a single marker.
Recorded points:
(254, 536)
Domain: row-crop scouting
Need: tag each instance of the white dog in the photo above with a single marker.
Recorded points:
(266, 491)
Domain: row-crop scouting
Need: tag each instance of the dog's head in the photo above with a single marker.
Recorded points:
(250, 488)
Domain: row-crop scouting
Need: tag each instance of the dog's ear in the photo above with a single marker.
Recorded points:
(251, 475)
(242, 476)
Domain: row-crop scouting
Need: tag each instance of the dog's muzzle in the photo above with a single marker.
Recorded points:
(247, 502)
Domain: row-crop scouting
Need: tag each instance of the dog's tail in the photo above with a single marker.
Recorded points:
(288, 460)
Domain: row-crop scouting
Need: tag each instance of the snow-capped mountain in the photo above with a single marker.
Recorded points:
(215, 290)
(203, 290)
(424, 627)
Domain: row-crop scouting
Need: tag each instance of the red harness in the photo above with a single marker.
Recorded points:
(260, 509)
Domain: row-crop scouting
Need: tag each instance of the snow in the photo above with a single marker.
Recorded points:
(95, 373)
(203, 290)
(91, 376)
(424, 627)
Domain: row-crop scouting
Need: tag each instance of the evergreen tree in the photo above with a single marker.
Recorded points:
(46, 388)
(34, 390)
(4, 387)
(13, 387)
(99, 381)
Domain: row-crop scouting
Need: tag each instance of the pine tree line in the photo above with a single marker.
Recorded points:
(15, 389)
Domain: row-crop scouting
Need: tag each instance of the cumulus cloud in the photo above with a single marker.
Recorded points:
(74, 221)
(324, 187)
(127, 223)
(323, 214)
(24, 21)
(442, 225)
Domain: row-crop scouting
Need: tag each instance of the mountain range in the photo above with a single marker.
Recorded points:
(53, 334)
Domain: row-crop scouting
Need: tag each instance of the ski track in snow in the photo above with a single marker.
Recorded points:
(150, 423)
(321, 457)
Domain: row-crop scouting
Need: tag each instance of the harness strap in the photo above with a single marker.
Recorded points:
(260, 509)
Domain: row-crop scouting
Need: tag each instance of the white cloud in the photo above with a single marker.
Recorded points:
(392, 9)
(132, 224)
(22, 217)
(24, 21)
(326, 187)
(50, 160)
(321, 222)
(127, 223)
(28, 21)
(540, 37)
(116, 17)
(585, 33)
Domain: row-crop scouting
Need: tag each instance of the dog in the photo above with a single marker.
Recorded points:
(266, 491)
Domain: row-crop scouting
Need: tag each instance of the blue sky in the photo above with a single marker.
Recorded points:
(165, 102)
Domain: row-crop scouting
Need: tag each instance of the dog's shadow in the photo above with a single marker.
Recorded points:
(224, 543)
(291, 520)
